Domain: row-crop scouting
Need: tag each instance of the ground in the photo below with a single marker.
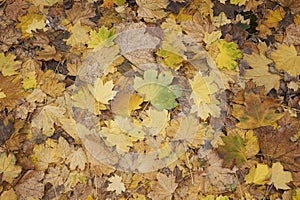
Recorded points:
(149, 99)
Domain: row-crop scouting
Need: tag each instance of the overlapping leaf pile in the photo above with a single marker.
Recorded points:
(149, 99)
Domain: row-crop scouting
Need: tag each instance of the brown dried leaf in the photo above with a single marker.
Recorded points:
(164, 187)
(30, 186)
(276, 146)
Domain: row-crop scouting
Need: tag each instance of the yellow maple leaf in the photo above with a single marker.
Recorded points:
(79, 35)
(149, 9)
(103, 37)
(31, 22)
(77, 159)
(203, 89)
(157, 121)
(29, 82)
(103, 92)
(258, 175)
(280, 177)
(46, 118)
(286, 58)
(123, 103)
(229, 53)
(260, 71)
(240, 2)
(116, 137)
(274, 17)
(8, 169)
(8, 64)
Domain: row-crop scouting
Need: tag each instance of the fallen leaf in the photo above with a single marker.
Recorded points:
(103, 37)
(273, 17)
(258, 175)
(31, 22)
(116, 184)
(286, 58)
(8, 65)
(280, 177)
(9, 194)
(47, 117)
(31, 185)
(256, 113)
(103, 92)
(77, 159)
(11, 88)
(79, 35)
(8, 167)
(260, 71)
(152, 9)
(158, 89)
(164, 187)
(228, 55)
(234, 150)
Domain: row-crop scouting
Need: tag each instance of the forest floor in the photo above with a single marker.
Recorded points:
(149, 99)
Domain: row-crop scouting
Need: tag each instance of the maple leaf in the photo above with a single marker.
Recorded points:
(77, 159)
(228, 55)
(11, 88)
(234, 151)
(220, 20)
(103, 37)
(280, 177)
(203, 89)
(115, 136)
(116, 184)
(8, 64)
(124, 103)
(164, 187)
(44, 2)
(83, 98)
(8, 169)
(103, 92)
(197, 27)
(31, 186)
(274, 17)
(286, 58)
(240, 2)
(157, 121)
(158, 90)
(276, 146)
(256, 113)
(46, 118)
(48, 53)
(29, 82)
(79, 35)
(189, 130)
(50, 84)
(149, 9)
(44, 154)
(258, 175)
(219, 177)
(9, 194)
(31, 22)
(171, 59)
(260, 71)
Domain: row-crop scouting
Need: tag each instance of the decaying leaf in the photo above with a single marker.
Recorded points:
(256, 113)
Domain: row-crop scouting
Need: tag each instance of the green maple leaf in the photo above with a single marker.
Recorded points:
(234, 150)
(103, 37)
(157, 89)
